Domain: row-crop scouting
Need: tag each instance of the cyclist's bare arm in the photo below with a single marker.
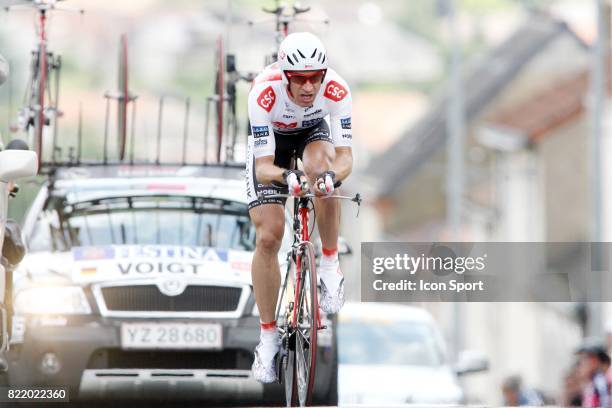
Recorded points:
(269, 172)
(266, 171)
(343, 163)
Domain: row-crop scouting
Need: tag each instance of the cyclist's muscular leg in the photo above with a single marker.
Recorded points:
(269, 221)
(317, 158)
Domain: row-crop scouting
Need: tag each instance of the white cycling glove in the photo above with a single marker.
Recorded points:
(325, 182)
(295, 185)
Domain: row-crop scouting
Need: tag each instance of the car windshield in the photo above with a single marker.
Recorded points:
(143, 220)
(388, 343)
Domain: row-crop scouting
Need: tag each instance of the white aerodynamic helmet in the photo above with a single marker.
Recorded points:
(301, 52)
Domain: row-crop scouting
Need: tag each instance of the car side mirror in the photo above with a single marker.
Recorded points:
(15, 164)
(471, 361)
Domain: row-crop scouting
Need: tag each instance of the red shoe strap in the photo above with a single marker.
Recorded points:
(268, 326)
(330, 252)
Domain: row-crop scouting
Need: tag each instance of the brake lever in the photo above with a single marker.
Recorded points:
(357, 199)
(304, 186)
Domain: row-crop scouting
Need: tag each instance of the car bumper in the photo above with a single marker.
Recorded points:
(82, 354)
(211, 385)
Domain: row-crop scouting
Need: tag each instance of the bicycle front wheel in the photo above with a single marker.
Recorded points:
(284, 313)
(307, 323)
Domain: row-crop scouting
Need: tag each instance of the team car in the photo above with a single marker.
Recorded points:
(137, 285)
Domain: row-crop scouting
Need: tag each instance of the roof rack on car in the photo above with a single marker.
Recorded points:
(125, 135)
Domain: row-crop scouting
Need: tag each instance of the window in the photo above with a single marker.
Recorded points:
(144, 220)
(388, 343)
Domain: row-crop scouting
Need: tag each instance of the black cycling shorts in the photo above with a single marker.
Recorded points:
(287, 144)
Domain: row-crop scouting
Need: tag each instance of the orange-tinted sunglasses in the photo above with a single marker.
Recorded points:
(300, 78)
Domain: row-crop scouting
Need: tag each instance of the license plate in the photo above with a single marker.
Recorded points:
(171, 336)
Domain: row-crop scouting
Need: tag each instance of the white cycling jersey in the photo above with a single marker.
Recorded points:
(270, 108)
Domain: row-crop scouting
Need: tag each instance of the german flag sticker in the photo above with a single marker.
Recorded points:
(88, 271)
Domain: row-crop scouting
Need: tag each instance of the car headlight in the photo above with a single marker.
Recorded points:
(52, 300)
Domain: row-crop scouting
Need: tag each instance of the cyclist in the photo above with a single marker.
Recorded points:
(288, 106)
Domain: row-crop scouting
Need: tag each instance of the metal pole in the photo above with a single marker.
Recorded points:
(455, 167)
(80, 134)
(455, 130)
(159, 128)
(186, 130)
(106, 129)
(133, 132)
(594, 324)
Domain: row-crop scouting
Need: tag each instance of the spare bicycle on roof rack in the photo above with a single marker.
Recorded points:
(123, 98)
(227, 75)
(122, 144)
(40, 102)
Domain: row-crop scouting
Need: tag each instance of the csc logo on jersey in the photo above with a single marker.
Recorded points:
(266, 99)
(281, 125)
(335, 91)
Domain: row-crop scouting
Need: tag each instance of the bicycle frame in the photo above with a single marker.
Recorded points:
(301, 235)
(39, 109)
(288, 305)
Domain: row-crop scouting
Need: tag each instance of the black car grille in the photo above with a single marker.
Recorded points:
(228, 359)
(148, 298)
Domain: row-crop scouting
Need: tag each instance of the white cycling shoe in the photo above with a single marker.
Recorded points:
(331, 300)
(263, 370)
(331, 303)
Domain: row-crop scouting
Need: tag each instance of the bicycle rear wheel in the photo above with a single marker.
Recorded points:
(307, 319)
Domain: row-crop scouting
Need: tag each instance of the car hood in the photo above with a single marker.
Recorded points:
(383, 384)
(87, 265)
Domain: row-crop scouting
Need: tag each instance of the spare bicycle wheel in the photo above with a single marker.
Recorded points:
(39, 101)
(220, 92)
(124, 97)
